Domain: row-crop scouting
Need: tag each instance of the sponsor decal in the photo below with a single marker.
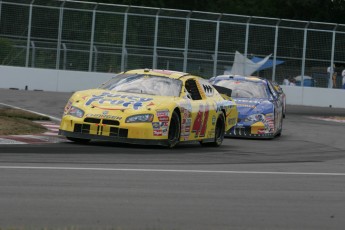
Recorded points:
(211, 133)
(160, 128)
(246, 105)
(104, 116)
(213, 120)
(208, 90)
(67, 107)
(164, 124)
(163, 118)
(186, 114)
(156, 125)
(231, 121)
(269, 122)
(165, 132)
(246, 101)
(163, 115)
(157, 132)
(107, 98)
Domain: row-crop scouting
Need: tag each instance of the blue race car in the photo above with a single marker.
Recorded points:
(258, 103)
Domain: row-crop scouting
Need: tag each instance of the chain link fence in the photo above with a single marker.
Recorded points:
(83, 36)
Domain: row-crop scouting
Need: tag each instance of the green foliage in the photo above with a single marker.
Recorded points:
(309, 10)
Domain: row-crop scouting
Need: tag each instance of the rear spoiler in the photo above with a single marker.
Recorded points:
(222, 90)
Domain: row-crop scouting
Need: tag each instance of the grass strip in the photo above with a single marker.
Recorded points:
(19, 122)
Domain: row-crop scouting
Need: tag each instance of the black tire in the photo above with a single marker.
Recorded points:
(78, 140)
(281, 128)
(174, 130)
(219, 133)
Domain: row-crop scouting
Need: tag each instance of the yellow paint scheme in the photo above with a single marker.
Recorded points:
(256, 127)
(106, 111)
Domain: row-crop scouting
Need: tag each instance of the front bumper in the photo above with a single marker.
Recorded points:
(117, 139)
(101, 129)
(250, 132)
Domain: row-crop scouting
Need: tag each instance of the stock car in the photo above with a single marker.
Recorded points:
(260, 107)
(154, 107)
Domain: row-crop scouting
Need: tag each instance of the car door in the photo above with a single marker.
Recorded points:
(202, 109)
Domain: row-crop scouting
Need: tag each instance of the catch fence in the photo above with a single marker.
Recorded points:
(96, 37)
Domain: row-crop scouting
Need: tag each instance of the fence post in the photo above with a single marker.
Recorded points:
(332, 70)
(92, 36)
(33, 54)
(59, 36)
(247, 39)
(275, 51)
(64, 47)
(186, 41)
(124, 37)
(29, 36)
(0, 9)
(215, 57)
(304, 53)
(154, 61)
(96, 59)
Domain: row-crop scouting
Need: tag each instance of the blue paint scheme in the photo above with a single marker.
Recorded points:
(265, 112)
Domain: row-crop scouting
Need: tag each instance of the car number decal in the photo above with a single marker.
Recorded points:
(200, 122)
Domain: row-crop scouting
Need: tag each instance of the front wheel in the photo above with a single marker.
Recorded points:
(174, 130)
(219, 133)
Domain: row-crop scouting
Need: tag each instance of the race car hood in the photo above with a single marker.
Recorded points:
(247, 106)
(116, 101)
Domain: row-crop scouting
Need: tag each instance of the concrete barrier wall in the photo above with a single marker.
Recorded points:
(50, 80)
(310, 96)
(70, 81)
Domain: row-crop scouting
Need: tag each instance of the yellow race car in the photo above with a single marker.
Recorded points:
(157, 107)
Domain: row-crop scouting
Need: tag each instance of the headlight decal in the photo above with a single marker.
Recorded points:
(76, 112)
(256, 118)
(140, 118)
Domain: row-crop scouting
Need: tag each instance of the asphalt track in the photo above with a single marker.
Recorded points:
(296, 181)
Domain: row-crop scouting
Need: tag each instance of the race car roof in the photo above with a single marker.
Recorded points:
(158, 72)
(237, 78)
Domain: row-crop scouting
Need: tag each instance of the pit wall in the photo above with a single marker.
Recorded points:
(71, 81)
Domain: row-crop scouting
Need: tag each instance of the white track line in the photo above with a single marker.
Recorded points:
(173, 170)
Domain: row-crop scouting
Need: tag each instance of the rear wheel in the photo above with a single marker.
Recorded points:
(219, 133)
(174, 130)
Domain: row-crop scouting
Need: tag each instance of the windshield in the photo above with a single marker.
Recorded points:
(144, 84)
(245, 89)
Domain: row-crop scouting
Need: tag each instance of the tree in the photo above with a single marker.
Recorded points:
(309, 10)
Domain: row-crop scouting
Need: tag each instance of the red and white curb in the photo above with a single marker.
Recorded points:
(333, 119)
(50, 136)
